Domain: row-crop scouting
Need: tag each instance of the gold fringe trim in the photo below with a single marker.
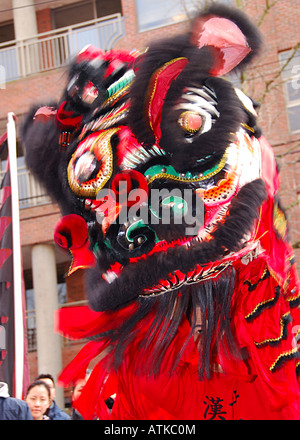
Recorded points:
(259, 305)
(282, 355)
(249, 283)
(294, 298)
(282, 323)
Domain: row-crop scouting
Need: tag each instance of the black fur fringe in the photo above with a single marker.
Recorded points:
(47, 161)
(207, 303)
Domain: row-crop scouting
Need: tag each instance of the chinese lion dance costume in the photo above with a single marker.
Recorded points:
(190, 319)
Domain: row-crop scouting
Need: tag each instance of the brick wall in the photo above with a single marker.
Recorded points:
(280, 30)
(44, 20)
(19, 95)
(37, 224)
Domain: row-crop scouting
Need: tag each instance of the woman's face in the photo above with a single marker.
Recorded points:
(38, 401)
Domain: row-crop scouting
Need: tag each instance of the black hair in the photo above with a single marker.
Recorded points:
(39, 383)
(45, 376)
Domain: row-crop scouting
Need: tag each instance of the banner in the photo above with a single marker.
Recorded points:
(13, 344)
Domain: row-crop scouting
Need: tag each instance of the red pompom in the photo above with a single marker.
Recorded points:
(71, 233)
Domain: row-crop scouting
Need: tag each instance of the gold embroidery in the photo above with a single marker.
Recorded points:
(263, 304)
(282, 356)
(198, 179)
(264, 275)
(116, 95)
(276, 277)
(91, 187)
(294, 298)
(297, 334)
(247, 127)
(283, 322)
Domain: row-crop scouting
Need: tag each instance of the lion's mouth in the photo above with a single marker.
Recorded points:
(116, 268)
(178, 278)
(135, 240)
(170, 265)
(146, 257)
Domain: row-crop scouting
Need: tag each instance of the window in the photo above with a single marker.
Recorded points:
(7, 32)
(156, 13)
(84, 11)
(102, 34)
(108, 7)
(290, 62)
(72, 14)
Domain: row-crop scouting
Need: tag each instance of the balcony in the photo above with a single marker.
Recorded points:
(51, 50)
(31, 193)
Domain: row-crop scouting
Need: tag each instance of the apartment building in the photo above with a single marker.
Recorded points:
(38, 38)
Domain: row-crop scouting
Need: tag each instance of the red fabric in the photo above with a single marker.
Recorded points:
(71, 232)
(117, 58)
(66, 119)
(4, 254)
(127, 144)
(279, 386)
(4, 223)
(89, 404)
(182, 396)
(89, 53)
(78, 322)
(70, 375)
(82, 322)
(159, 86)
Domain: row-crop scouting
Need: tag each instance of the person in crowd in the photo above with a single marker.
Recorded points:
(12, 408)
(55, 413)
(75, 415)
(38, 398)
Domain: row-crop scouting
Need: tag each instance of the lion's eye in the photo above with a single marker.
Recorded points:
(199, 111)
(85, 166)
(191, 122)
(91, 165)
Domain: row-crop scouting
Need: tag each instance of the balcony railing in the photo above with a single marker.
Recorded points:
(51, 50)
(31, 193)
